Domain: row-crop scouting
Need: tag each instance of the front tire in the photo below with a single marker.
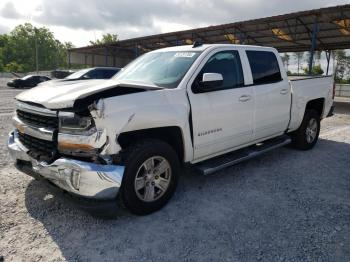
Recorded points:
(150, 176)
(306, 136)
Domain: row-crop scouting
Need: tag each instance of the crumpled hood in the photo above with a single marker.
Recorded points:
(64, 96)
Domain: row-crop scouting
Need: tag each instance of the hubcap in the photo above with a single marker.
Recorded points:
(152, 179)
(311, 130)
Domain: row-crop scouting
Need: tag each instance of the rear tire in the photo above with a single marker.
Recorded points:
(150, 176)
(306, 136)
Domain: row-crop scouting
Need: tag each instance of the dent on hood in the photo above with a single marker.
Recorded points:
(83, 103)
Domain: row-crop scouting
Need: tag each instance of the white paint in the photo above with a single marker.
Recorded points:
(222, 122)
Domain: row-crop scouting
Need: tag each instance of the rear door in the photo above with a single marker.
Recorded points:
(222, 118)
(272, 94)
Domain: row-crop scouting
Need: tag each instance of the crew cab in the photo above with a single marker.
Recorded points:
(210, 106)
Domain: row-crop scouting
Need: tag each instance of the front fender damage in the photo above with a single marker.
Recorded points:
(100, 115)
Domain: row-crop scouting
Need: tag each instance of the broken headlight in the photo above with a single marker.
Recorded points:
(72, 123)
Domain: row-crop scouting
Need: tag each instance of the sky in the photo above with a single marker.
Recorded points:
(80, 21)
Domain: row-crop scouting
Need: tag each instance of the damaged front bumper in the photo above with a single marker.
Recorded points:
(85, 179)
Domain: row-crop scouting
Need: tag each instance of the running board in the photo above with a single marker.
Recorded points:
(210, 166)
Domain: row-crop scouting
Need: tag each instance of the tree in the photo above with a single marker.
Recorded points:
(342, 63)
(13, 67)
(106, 39)
(299, 57)
(317, 57)
(316, 70)
(285, 60)
(18, 49)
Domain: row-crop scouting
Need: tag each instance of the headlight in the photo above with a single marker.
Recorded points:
(74, 124)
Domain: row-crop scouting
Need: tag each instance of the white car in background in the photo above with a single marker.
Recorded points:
(94, 73)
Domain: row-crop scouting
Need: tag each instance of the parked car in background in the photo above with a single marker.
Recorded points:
(86, 74)
(93, 73)
(27, 81)
(60, 74)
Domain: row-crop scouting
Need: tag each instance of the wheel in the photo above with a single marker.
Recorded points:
(306, 136)
(150, 176)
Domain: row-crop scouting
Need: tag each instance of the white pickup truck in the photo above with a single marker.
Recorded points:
(211, 106)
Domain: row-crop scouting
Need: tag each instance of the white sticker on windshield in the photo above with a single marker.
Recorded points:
(185, 54)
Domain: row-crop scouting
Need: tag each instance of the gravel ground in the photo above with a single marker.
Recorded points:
(284, 206)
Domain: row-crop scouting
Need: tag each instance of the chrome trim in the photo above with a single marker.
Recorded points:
(251, 154)
(38, 132)
(34, 109)
(66, 114)
(85, 179)
(16, 149)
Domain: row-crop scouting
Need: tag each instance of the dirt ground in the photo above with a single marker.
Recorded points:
(287, 205)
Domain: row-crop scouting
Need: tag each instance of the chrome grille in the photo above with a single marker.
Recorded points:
(38, 148)
(38, 120)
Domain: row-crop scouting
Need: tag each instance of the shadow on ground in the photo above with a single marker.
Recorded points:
(286, 205)
(342, 107)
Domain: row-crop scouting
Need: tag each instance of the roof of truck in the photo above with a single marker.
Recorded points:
(191, 48)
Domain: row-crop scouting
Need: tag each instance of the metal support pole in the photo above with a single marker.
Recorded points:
(313, 44)
(328, 56)
(85, 60)
(69, 64)
(106, 56)
(136, 50)
(36, 52)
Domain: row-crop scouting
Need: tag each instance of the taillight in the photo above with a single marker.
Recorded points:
(333, 90)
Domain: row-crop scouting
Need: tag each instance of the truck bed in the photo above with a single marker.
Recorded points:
(308, 88)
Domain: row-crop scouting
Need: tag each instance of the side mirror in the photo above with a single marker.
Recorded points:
(211, 80)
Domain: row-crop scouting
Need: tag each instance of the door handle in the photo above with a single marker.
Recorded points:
(245, 98)
(284, 91)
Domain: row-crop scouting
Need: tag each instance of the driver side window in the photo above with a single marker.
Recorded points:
(226, 63)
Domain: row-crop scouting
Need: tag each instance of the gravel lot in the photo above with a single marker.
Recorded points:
(284, 206)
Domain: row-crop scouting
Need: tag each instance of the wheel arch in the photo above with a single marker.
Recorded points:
(317, 105)
(172, 135)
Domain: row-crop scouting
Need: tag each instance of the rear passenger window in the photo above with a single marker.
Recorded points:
(264, 66)
(226, 63)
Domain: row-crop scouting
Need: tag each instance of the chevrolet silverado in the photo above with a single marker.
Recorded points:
(210, 106)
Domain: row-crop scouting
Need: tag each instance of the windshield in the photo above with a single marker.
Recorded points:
(26, 77)
(163, 69)
(78, 74)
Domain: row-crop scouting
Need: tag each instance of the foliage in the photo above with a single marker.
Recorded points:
(285, 60)
(316, 70)
(342, 64)
(18, 49)
(299, 57)
(13, 67)
(106, 39)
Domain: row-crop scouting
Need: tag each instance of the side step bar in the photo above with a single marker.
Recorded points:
(210, 166)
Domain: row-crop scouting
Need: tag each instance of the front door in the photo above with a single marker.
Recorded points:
(223, 116)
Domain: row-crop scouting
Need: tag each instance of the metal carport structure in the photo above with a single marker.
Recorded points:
(322, 29)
